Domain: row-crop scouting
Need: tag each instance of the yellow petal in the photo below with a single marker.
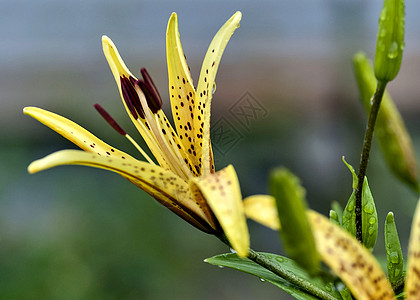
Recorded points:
(262, 209)
(206, 86)
(119, 69)
(114, 59)
(181, 91)
(352, 262)
(412, 283)
(169, 189)
(222, 192)
(74, 133)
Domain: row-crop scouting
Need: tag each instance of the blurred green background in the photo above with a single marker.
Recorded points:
(82, 233)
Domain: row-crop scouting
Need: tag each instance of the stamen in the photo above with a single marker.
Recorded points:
(154, 103)
(173, 162)
(109, 119)
(131, 98)
(140, 149)
(151, 87)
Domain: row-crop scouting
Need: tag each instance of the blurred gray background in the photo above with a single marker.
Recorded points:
(82, 233)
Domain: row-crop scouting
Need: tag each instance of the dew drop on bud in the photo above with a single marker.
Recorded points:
(393, 50)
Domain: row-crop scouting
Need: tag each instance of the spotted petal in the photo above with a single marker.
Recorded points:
(352, 262)
(74, 133)
(412, 285)
(222, 193)
(181, 89)
(163, 185)
(205, 90)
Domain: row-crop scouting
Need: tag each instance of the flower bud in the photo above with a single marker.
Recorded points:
(390, 43)
(394, 256)
(393, 138)
(296, 231)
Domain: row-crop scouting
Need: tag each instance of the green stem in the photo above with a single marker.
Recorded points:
(398, 286)
(376, 103)
(289, 276)
(277, 269)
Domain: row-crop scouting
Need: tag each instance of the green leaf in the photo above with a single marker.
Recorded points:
(231, 260)
(335, 206)
(346, 294)
(334, 217)
(369, 214)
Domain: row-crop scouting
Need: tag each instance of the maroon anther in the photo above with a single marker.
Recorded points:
(154, 99)
(131, 98)
(150, 98)
(109, 119)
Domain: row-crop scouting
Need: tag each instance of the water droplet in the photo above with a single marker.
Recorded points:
(381, 45)
(394, 258)
(383, 15)
(340, 286)
(371, 100)
(350, 206)
(262, 279)
(213, 90)
(233, 250)
(368, 208)
(221, 267)
(371, 230)
(402, 46)
(328, 288)
(372, 220)
(393, 50)
(382, 32)
(280, 259)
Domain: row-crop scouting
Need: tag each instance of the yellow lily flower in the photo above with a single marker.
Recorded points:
(184, 177)
(350, 260)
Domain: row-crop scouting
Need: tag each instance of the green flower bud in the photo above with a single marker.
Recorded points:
(393, 138)
(369, 214)
(296, 231)
(390, 43)
(394, 256)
